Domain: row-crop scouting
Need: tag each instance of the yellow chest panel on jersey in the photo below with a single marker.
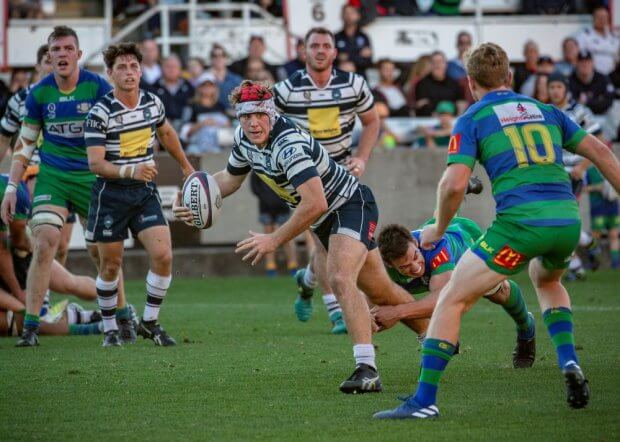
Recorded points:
(135, 143)
(282, 193)
(324, 122)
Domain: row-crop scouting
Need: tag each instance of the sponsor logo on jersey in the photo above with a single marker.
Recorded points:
(486, 247)
(83, 107)
(70, 129)
(51, 110)
(509, 258)
(511, 113)
(441, 258)
(66, 99)
(455, 144)
(336, 94)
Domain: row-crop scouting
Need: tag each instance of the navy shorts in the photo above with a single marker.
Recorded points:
(117, 208)
(357, 218)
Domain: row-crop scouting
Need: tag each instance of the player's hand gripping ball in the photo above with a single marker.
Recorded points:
(201, 201)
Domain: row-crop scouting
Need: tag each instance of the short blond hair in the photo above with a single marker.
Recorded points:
(488, 65)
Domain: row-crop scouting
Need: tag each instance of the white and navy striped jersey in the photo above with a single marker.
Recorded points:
(291, 158)
(13, 118)
(14, 114)
(127, 134)
(582, 115)
(328, 114)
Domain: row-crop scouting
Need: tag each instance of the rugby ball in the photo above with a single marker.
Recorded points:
(202, 196)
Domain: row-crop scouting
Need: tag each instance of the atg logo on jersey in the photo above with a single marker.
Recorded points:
(511, 113)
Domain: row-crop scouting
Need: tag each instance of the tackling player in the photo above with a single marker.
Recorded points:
(519, 142)
(120, 132)
(418, 271)
(57, 106)
(341, 211)
(325, 102)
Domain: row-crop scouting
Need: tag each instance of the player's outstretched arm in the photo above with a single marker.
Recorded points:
(170, 140)
(228, 183)
(602, 157)
(313, 204)
(389, 315)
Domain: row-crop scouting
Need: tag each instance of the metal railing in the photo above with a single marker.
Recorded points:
(166, 40)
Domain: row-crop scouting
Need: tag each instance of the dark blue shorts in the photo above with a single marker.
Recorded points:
(117, 208)
(357, 218)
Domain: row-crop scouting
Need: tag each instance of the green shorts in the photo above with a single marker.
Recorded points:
(65, 189)
(507, 247)
(603, 223)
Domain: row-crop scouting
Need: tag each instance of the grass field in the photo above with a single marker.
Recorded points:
(245, 369)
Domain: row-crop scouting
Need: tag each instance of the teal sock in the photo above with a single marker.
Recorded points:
(123, 313)
(517, 309)
(31, 321)
(85, 329)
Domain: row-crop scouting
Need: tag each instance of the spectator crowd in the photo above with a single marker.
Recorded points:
(195, 91)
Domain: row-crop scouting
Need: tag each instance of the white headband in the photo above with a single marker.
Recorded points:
(252, 107)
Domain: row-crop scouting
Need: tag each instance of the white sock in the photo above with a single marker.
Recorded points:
(309, 277)
(107, 298)
(364, 354)
(585, 239)
(575, 263)
(331, 303)
(156, 288)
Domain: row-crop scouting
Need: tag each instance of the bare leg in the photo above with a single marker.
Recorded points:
(344, 261)
(63, 247)
(65, 282)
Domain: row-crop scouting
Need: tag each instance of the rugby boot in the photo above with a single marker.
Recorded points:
(524, 353)
(111, 338)
(155, 332)
(303, 303)
(409, 409)
(29, 338)
(577, 389)
(339, 327)
(364, 379)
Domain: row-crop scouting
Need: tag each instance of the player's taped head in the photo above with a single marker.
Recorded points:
(47, 218)
(254, 97)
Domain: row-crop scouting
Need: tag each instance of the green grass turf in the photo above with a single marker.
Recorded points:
(245, 369)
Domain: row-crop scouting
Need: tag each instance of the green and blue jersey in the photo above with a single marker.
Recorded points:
(61, 117)
(519, 142)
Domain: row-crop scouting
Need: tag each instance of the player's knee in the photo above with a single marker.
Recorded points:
(46, 241)
(339, 282)
(162, 259)
(110, 267)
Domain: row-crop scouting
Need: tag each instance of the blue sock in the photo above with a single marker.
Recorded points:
(559, 322)
(31, 321)
(435, 357)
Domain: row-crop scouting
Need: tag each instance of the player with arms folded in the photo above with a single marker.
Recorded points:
(519, 142)
(120, 133)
